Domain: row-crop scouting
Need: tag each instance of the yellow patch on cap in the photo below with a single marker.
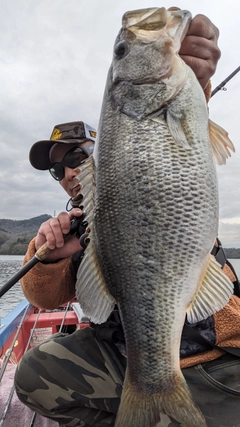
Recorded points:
(56, 134)
(93, 134)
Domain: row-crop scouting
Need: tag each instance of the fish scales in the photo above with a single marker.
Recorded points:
(155, 226)
(155, 214)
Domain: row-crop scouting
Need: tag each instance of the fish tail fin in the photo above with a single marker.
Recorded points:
(136, 409)
(179, 405)
(145, 410)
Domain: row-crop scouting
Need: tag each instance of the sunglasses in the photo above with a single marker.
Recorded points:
(72, 159)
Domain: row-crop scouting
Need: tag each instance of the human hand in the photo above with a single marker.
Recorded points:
(54, 232)
(199, 48)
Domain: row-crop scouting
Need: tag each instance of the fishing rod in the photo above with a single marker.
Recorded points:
(78, 227)
(222, 85)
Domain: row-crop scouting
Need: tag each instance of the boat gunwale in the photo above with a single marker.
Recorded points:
(11, 321)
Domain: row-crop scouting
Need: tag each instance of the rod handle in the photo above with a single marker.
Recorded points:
(76, 224)
(43, 252)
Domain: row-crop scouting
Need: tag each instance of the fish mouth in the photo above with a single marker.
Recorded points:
(150, 24)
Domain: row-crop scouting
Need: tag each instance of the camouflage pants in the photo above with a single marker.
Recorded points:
(77, 380)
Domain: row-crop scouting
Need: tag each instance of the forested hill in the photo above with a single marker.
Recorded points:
(16, 235)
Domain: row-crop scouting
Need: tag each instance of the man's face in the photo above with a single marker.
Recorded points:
(70, 181)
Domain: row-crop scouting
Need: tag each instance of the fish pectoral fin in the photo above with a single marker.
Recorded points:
(220, 143)
(91, 291)
(214, 292)
(176, 130)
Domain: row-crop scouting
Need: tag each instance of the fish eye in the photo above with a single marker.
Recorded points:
(121, 49)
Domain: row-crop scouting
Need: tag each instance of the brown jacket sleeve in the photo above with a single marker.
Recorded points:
(48, 285)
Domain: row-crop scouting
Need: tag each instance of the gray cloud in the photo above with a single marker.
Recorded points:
(54, 58)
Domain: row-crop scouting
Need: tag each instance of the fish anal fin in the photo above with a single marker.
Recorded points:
(221, 144)
(214, 292)
(91, 291)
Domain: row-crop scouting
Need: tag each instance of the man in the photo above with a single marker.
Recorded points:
(77, 379)
(70, 142)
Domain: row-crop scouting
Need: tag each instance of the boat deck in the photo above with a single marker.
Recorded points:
(25, 327)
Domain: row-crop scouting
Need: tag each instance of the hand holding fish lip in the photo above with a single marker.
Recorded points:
(200, 50)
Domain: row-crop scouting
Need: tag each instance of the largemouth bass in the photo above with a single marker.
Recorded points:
(151, 200)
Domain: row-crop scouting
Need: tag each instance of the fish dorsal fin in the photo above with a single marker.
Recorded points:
(213, 293)
(176, 130)
(91, 290)
(220, 143)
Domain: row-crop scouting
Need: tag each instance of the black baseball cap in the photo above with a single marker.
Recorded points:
(65, 133)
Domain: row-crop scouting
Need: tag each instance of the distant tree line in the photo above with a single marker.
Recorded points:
(16, 235)
(232, 253)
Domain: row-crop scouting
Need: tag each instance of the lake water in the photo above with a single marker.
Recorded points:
(10, 265)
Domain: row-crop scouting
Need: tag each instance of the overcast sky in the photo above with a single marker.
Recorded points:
(54, 58)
